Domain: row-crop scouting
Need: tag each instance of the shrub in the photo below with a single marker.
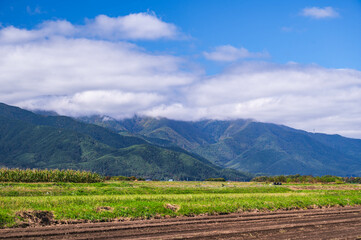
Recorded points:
(306, 179)
(124, 178)
(216, 179)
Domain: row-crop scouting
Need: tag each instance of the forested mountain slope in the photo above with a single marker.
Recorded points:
(28, 140)
(248, 145)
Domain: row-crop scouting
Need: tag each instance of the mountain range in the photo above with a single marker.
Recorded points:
(162, 148)
(29, 140)
(247, 145)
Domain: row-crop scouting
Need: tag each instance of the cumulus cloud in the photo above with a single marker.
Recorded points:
(79, 70)
(137, 26)
(228, 53)
(61, 65)
(133, 26)
(318, 13)
(69, 66)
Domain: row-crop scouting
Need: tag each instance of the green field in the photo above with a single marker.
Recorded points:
(105, 201)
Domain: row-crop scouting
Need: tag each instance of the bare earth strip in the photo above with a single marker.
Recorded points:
(332, 223)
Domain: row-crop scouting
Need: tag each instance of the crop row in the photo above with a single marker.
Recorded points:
(45, 175)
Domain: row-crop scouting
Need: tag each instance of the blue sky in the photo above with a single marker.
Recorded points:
(273, 26)
(288, 62)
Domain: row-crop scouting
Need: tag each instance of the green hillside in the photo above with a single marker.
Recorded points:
(28, 140)
(253, 146)
(98, 133)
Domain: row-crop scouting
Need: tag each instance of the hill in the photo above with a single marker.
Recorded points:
(28, 140)
(246, 145)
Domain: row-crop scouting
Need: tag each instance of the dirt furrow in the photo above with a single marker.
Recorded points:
(188, 220)
(290, 224)
(202, 229)
(224, 231)
(150, 224)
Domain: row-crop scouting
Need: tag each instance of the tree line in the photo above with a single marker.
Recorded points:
(307, 179)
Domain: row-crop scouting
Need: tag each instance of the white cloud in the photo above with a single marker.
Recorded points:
(137, 26)
(228, 53)
(133, 26)
(66, 66)
(74, 71)
(318, 13)
(306, 97)
(116, 103)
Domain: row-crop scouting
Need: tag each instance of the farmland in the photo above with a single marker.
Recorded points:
(124, 200)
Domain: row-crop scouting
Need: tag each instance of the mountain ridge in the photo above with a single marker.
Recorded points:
(28, 140)
(247, 145)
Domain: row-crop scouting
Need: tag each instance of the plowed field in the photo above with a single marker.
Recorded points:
(331, 223)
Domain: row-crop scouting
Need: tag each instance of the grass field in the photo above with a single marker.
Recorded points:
(105, 201)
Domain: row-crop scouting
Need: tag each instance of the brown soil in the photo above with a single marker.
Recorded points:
(35, 218)
(331, 223)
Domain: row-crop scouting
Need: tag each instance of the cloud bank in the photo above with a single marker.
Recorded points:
(319, 13)
(303, 96)
(76, 71)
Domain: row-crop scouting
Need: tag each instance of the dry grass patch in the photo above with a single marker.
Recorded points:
(104, 209)
(173, 207)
